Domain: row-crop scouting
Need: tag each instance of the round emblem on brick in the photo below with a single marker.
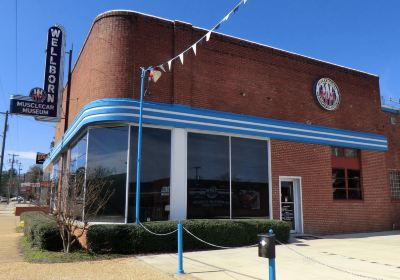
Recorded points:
(327, 94)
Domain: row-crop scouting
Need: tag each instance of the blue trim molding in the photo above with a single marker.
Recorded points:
(390, 109)
(113, 110)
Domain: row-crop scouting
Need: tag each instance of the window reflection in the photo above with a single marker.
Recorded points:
(249, 177)
(78, 155)
(54, 178)
(75, 178)
(208, 176)
(107, 159)
(155, 174)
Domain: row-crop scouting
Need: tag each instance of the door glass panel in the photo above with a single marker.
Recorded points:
(287, 203)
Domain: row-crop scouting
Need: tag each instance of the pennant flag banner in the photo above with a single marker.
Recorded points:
(181, 58)
(161, 67)
(206, 37)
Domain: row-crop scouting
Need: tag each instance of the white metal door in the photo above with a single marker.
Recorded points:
(290, 202)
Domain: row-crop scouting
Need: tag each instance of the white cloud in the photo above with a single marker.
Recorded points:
(23, 154)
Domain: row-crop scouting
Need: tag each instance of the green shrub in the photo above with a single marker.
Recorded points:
(132, 238)
(41, 230)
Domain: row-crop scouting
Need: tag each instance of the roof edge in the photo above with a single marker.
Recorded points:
(131, 12)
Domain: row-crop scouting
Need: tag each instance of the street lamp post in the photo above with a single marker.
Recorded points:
(139, 143)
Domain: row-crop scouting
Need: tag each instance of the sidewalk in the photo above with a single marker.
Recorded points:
(9, 239)
(12, 266)
(362, 256)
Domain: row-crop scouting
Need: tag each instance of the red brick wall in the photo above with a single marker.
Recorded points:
(276, 84)
(22, 209)
(321, 213)
(393, 156)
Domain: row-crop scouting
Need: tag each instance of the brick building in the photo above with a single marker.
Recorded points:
(241, 130)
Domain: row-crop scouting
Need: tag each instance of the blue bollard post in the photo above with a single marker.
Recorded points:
(271, 261)
(180, 250)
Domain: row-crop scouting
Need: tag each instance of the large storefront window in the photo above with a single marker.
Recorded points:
(249, 177)
(78, 156)
(208, 176)
(155, 174)
(227, 177)
(107, 164)
(74, 176)
(54, 179)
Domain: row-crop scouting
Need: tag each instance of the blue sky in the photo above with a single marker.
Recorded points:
(361, 34)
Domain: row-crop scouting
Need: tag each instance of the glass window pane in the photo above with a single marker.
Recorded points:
(54, 178)
(107, 160)
(339, 183)
(336, 151)
(73, 183)
(287, 192)
(351, 153)
(338, 178)
(155, 174)
(208, 176)
(339, 193)
(394, 178)
(249, 177)
(78, 156)
(353, 174)
(354, 184)
(355, 194)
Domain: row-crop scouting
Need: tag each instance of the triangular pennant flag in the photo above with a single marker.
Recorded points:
(194, 49)
(181, 58)
(226, 17)
(161, 67)
(236, 9)
(169, 64)
(208, 36)
(218, 26)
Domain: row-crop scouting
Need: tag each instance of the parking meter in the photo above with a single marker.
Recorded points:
(266, 245)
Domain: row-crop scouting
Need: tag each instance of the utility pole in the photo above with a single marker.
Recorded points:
(11, 175)
(68, 90)
(3, 145)
(19, 178)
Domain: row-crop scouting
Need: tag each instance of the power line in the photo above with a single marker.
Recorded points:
(3, 145)
(16, 46)
(11, 182)
(205, 37)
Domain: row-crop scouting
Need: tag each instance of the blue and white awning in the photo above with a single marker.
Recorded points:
(173, 115)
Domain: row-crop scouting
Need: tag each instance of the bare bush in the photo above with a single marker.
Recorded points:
(80, 199)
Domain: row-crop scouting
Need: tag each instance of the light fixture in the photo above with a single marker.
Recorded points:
(154, 75)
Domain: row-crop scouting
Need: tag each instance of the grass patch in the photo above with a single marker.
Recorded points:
(20, 227)
(33, 254)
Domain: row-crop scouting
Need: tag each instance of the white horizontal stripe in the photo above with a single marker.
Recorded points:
(81, 118)
(236, 128)
(239, 121)
(266, 125)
